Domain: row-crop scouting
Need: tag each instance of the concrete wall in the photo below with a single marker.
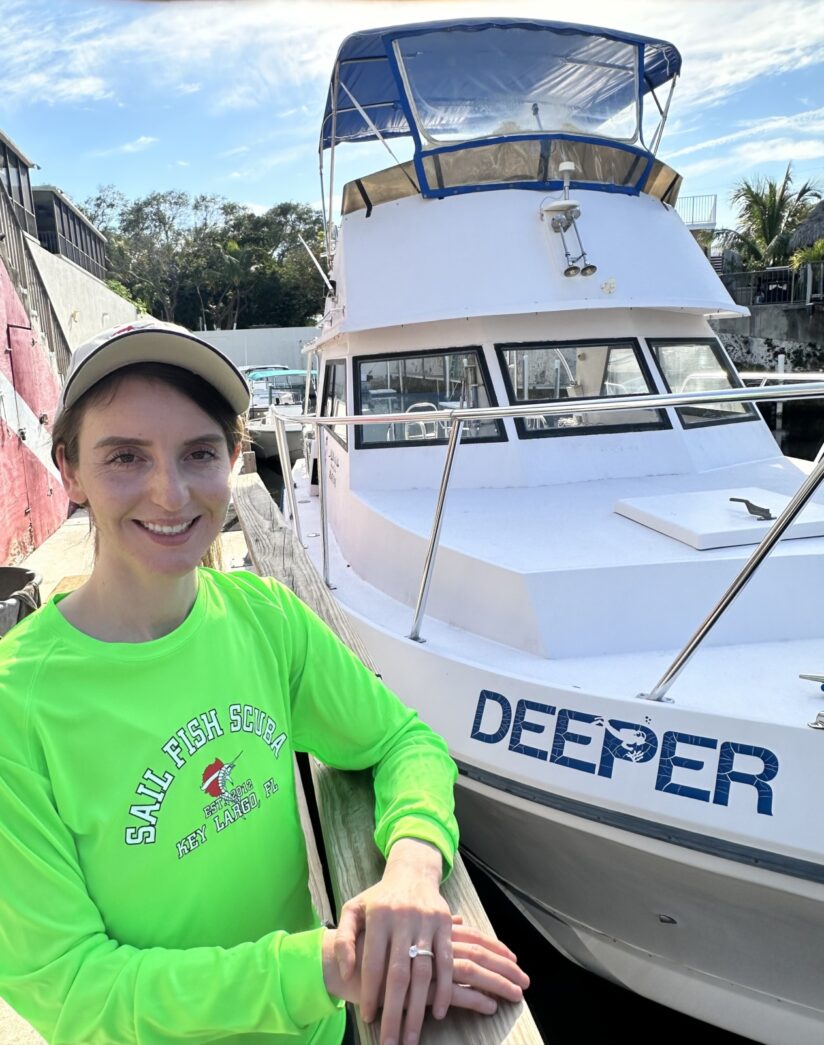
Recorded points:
(32, 501)
(263, 345)
(83, 304)
(788, 322)
(795, 330)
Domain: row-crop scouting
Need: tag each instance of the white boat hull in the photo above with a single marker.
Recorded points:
(733, 945)
(727, 931)
(264, 441)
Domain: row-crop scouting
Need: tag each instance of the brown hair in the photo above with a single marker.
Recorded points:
(66, 430)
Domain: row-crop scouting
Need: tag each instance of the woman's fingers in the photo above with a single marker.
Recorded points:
(475, 1001)
(442, 946)
(349, 929)
(500, 977)
(469, 934)
(374, 972)
(420, 978)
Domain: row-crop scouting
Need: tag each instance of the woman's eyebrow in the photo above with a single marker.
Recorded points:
(210, 437)
(114, 440)
(117, 440)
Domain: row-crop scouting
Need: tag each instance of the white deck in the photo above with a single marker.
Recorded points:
(755, 680)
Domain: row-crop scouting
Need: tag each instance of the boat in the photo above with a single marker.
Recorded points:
(278, 388)
(547, 502)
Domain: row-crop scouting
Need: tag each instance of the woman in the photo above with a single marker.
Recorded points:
(154, 872)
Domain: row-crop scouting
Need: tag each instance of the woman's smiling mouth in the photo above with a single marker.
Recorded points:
(167, 529)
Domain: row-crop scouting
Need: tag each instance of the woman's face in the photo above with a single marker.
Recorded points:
(154, 469)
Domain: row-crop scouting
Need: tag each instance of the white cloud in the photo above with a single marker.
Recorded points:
(261, 163)
(753, 154)
(181, 163)
(138, 145)
(256, 47)
(237, 151)
(811, 122)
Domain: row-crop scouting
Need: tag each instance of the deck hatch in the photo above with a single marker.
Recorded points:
(707, 519)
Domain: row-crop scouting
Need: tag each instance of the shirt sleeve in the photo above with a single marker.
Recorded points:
(61, 970)
(347, 717)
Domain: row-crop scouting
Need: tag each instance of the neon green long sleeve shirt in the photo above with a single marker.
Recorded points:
(154, 876)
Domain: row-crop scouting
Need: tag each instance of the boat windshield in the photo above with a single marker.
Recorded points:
(503, 80)
(700, 365)
(546, 372)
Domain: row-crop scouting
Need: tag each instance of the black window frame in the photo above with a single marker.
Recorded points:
(662, 424)
(751, 414)
(501, 437)
(329, 364)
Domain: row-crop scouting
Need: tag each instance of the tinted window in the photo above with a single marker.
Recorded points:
(572, 372)
(334, 397)
(413, 384)
(699, 365)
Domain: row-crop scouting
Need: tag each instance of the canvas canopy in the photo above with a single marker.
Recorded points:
(449, 73)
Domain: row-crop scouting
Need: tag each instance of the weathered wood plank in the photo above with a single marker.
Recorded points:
(346, 800)
(275, 552)
(346, 803)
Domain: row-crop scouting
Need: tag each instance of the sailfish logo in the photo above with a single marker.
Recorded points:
(216, 777)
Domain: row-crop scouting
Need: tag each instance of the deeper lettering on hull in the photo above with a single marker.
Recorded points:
(588, 743)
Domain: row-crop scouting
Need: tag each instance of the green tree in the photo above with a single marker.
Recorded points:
(808, 255)
(768, 211)
(207, 262)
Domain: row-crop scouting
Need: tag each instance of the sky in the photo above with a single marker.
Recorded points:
(226, 96)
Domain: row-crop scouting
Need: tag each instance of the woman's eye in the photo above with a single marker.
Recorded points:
(203, 455)
(124, 457)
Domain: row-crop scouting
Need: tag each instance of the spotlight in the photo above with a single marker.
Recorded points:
(571, 270)
(589, 270)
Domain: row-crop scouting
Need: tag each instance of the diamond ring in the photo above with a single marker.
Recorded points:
(415, 951)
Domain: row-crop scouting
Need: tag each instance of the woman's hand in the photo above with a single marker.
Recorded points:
(484, 970)
(403, 910)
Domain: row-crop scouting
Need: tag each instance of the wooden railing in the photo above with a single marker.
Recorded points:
(345, 801)
(19, 260)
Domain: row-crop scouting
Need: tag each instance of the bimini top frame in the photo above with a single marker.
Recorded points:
(506, 88)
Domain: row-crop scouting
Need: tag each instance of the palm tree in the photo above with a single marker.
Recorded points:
(768, 211)
(808, 255)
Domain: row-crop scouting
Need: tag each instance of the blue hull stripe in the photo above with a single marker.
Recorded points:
(742, 854)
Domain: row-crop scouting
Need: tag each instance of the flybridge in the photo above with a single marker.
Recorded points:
(503, 103)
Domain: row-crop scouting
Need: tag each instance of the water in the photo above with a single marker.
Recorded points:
(560, 991)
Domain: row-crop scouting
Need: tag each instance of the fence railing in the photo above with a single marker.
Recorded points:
(777, 286)
(455, 420)
(16, 253)
(25, 218)
(697, 212)
(56, 243)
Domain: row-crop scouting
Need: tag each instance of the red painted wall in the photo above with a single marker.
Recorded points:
(32, 501)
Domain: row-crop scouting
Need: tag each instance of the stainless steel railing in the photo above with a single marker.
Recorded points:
(455, 420)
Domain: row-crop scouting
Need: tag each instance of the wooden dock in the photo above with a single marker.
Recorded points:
(345, 801)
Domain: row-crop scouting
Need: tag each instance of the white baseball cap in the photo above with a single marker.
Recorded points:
(151, 341)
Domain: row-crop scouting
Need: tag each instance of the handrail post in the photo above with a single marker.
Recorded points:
(324, 520)
(431, 551)
(286, 470)
(798, 501)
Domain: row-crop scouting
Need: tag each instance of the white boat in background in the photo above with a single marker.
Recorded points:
(546, 496)
(288, 391)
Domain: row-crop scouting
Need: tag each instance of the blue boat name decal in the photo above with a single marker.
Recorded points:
(678, 754)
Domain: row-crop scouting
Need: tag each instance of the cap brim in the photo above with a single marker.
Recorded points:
(159, 346)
